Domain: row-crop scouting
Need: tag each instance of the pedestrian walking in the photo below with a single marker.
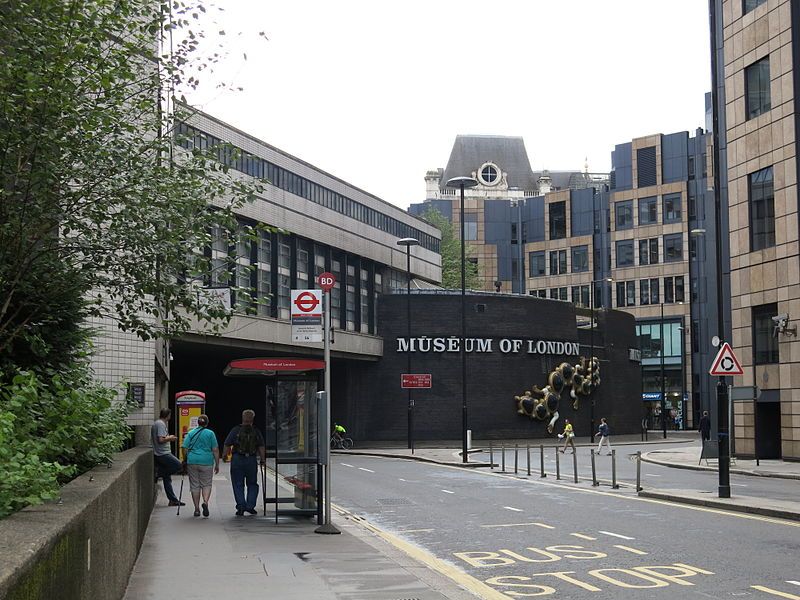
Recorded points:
(605, 435)
(167, 464)
(201, 450)
(569, 436)
(704, 426)
(248, 446)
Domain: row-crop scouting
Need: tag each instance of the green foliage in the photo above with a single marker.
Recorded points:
(95, 196)
(451, 254)
(53, 430)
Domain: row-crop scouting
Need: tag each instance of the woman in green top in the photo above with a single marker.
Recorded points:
(201, 452)
(568, 434)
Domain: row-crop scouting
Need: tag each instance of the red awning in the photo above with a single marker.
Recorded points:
(271, 366)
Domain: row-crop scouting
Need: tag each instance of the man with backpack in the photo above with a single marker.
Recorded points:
(248, 445)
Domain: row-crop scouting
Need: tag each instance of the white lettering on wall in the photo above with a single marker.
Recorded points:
(485, 345)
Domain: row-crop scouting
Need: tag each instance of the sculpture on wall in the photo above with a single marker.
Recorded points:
(542, 403)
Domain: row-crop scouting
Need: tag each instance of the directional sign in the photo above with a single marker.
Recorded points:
(306, 313)
(726, 363)
(326, 281)
(415, 380)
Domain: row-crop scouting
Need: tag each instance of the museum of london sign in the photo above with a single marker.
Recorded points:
(487, 345)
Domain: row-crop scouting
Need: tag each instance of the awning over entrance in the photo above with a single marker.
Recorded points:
(271, 366)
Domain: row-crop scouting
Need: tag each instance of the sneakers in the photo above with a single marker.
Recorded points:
(176, 503)
(196, 513)
(239, 513)
(205, 509)
(251, 511)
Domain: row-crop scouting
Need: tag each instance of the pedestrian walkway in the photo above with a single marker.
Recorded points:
(688, 457)
(195, 558)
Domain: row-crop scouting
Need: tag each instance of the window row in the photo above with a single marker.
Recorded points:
(192, 138)
(578, 294)
(558, 261)
(650, 291)
(648, 211)
(648, 250)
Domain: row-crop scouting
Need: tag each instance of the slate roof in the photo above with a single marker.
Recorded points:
(471, 151)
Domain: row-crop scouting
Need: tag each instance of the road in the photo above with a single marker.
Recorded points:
(530, 537)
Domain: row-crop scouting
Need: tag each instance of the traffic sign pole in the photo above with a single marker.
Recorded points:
(325, 434)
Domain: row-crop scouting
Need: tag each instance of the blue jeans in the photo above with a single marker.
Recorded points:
(244, 470)
(168, 465)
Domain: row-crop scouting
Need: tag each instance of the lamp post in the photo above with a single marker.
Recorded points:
(663, 386)
(591, 344)
(462, 183)
(408, 242)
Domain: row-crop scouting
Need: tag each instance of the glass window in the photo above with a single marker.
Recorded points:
(623, 212)
(630, 292)
(580, 259)
(562, 294)
(625, 253)
(264, 293)
(537, 264)
(757, 94)
(679, 294)
(364, 293)
(654, 291)
(558, 262)
(284, 296)
(669, 290)
(284, 255)
(648, 251)
(470, 226)
(672, 208)
(644, 291)
(243, 289)
(765, 344)
(558, 220)
(751, 4)
(673, 247)
(554, 293)
(265, 248)
(648, 210)
(219, 239)
(350, 298)
(762, 209)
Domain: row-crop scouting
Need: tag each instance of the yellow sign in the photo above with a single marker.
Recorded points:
(190, 405)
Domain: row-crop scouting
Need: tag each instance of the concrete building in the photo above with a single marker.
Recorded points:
(755, 53)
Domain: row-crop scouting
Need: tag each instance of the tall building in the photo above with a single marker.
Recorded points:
(755, 52)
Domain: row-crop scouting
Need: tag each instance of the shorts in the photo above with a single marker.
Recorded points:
(200, 477)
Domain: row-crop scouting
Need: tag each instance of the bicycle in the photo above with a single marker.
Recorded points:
(339, 442)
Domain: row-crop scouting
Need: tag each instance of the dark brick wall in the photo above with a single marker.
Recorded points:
(375, 407)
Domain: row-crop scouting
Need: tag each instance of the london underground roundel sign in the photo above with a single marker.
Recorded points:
(306, 302)
(326, 281)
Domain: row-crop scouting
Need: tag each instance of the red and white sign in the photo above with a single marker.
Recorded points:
(415, 380)
(268, 366)
(326, 281)
(306, 313)
(726, 363)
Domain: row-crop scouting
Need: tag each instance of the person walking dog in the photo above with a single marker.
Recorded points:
(604, 432)
(202, 459)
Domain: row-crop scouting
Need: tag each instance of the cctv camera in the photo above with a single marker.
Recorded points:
(781, 319)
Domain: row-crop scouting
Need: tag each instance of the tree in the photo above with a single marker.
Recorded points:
(99, 214)
(450, 250)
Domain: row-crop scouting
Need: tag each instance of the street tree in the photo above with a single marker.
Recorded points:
(450, 249)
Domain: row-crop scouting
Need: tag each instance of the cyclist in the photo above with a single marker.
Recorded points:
(338, 432)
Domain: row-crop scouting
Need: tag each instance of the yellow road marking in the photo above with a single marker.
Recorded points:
(629, 549)
(761, 588)
(543, 525)
(583, 537)
(472, 584)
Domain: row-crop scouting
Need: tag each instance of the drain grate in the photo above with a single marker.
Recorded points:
(395, 502)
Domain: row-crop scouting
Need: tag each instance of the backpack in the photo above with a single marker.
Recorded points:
(247, 440)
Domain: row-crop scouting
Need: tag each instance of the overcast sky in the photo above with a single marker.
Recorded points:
(375, 92)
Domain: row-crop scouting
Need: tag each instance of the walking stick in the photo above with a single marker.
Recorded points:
(180, 497)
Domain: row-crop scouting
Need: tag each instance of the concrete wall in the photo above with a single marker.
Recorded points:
(86, 545)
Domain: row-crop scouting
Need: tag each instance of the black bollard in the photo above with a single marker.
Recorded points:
(528, 450)
(639, 471)
(575, 465)
(541, 460)
(516, 459)
(595, 483)
(558, 465)
(614, 483)
(503, 459)
(491, 456)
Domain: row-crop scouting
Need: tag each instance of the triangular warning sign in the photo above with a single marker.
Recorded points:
(726, 363)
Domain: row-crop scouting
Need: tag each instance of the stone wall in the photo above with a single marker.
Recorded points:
(85, 545)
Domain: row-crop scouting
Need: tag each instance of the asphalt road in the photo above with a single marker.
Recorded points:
(540, 537)
(652, 476)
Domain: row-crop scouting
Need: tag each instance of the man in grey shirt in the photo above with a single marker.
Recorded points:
(166, 463)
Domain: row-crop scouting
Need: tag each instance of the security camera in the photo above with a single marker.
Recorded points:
(781, 319)
(782, 325)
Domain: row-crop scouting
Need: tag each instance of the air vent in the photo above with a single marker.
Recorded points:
(480, 308)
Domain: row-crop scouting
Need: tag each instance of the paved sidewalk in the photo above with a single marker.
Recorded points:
(195, 558)
(688, 457)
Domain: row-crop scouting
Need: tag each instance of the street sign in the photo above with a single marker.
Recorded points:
(745, 392)
(306, 313)
(726, 363)
(415, 380)
(326, 281)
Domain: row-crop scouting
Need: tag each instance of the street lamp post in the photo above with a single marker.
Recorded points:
(408, 242)
(462, 183)
(591, 345)
(663, 386)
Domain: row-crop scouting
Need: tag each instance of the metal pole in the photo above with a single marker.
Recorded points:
(491, 456)
(614, 483)
(558, 465)
(591, 354)
(528, 450)
(408, 354)
(575, 466)
(541, 461)
(516, 459)
(464, 455)
(325, 435)
(639, 471)
(755, 426)
(663, 383)
(594, 470)
(503, 458)
(722, 437)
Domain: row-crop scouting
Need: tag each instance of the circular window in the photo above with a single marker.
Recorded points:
(489, 174)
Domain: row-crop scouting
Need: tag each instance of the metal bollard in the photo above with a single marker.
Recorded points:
(528, 450)
(503, 460)
(558, 465)
(595, 483)
(541, 460)
(516, 459)
(614, 483)
(639, 471)
(575, 465)
(491, 456)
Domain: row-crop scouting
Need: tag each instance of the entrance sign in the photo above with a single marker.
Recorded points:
(306, 313)
(415, 380)
(326, 281)
(726, 363)
(270, 366)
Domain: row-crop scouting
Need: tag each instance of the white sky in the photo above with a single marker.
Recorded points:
(375, 92)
